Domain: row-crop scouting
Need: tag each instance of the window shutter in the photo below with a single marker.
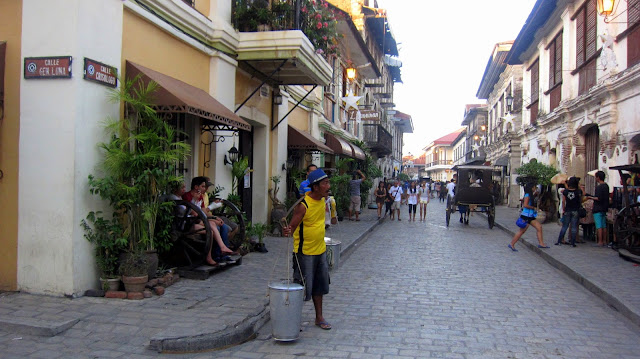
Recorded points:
(534, 81)
(580, 38)
(552, 64)
(633, 12)
(558, 68)
(591, 34)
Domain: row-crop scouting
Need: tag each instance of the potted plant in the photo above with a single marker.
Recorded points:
(106, 237)
(134, 271)
(257, 232)
(138, 167)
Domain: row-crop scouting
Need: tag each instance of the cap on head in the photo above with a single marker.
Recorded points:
(317, 176)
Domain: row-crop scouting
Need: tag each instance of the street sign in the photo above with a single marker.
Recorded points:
(55, 67)
(98, 72)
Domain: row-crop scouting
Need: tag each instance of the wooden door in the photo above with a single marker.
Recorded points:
(592, 149)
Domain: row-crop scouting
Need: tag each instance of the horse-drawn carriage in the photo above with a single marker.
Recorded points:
(473, 193)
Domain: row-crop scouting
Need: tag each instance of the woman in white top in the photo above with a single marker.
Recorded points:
(423, 196)
(412, 200)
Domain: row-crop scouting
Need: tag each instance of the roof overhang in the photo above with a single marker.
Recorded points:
(338, 145)
(261, 53)
(301, 140)
(541, 12)
(354, 49)
(377, 22)
(495, 68)
(175, 96)
(403, 121)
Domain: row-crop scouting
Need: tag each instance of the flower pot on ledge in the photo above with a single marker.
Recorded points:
(134, 284)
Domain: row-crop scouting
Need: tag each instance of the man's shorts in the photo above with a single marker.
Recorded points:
(315, 270)
(395, 205)
(355, 203)
(601, 220)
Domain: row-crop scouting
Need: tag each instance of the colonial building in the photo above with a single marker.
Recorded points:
(439, 156)
(581, 74)
(475, 120)
(265, 94)
(500, 84)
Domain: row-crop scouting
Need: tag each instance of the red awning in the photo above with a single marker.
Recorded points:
(174, 95)
(338, 145)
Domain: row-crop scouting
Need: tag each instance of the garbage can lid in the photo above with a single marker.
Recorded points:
(285, 285)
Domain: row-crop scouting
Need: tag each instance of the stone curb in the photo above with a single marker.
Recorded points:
(591, 286)
(233, 335)
(239, 332)
(30, 326)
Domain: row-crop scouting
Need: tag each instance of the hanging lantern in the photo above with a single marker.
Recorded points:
(605, 7)
(351, 73)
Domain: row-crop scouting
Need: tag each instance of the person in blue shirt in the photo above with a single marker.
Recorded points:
(304, 186)
(529, 214)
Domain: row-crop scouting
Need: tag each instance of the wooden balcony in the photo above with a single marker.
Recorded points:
(378, 139)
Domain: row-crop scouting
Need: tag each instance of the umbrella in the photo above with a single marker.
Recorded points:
(559, 178)
(593, 172)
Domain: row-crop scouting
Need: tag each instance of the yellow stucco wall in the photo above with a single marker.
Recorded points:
(147, 45)
(11, 32)
(244, 87)
(299, 118)
(203, 6)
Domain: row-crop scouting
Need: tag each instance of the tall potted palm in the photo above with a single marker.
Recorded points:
(137, 168)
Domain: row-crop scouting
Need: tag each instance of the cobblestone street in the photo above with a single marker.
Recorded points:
(416, 290)
(410, 290)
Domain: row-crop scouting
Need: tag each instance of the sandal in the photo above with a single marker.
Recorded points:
(324, 325)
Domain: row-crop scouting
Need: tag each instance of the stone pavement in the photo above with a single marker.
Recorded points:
(600, 270)
(192, 315)
(232, 305)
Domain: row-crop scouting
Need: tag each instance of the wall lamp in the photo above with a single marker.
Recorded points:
(233, 156)
(351, 73)
(483, 127)
(608, 7)
(277, 97)
(509, 100)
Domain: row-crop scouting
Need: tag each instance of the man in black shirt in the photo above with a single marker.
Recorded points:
(600, 208)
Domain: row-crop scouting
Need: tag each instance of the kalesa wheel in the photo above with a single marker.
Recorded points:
(627, 228)
(491, 216)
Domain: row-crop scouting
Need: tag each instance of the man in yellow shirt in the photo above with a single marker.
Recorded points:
(309, 249)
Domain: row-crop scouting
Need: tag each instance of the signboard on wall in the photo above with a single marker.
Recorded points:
(54, 67)
(101, 73)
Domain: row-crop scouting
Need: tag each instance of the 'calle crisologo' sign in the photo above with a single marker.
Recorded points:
(101, 73)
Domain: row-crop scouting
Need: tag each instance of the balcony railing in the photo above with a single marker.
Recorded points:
(378, 139)
(439, 163)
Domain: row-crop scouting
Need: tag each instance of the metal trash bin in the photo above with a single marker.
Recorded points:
(333, 252)
(285, 306)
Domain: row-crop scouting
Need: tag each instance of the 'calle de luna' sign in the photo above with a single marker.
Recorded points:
(55, 67)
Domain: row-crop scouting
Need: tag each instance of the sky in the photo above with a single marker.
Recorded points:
(444, 54)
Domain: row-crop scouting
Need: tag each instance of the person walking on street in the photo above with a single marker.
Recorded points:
(396, 194)
(412, 200)
(423, 197)
(529, 214)
(600, 208)
(310, 266)
(354, 189)
(572, 201)
(381, 194)
(388, 202)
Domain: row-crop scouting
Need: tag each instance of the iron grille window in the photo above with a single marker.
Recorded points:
(555, 61)
(586, 36)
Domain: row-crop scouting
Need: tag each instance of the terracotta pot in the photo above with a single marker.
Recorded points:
(134, 284)
(112, 284)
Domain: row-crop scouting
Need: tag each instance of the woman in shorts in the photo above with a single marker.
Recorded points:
(423, 197)
(529, 214)
(412, 200)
